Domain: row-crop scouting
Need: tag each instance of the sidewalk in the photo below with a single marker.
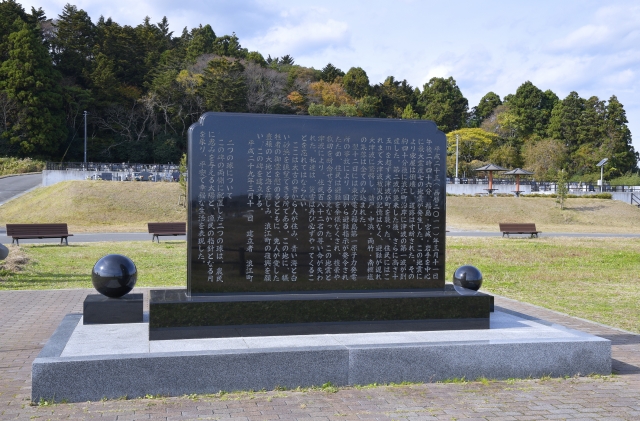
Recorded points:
(28, 318)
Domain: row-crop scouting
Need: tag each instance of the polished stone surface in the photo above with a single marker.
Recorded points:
(114, 275)
(122, 362)
(4, 252)
(98, 309)
(174, 315)
(302, 203)
(468, 277)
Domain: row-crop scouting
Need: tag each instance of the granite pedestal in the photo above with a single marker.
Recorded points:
(174, 315)
(98, 309)
(90, 362)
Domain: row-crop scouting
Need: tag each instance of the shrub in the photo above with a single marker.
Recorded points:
(20, 166)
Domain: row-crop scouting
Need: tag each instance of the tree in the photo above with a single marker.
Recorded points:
(444, 103)
(201, 42)
(565, 120)
(532, 108)
(265, 88)
(409, 114)
(330, 73)
(229, 46)
(257, 58)
(356, 82)
(394, 96)
(223, 86)
(29, 79)
(544, 157)
(73, 44)
(12, 16)
(329, 94)
(617, 143)
(484, 109)
(562, 190)
(474, 146)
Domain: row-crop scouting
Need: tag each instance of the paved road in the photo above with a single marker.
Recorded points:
(30, 317)
(143, 236)
(11, 187)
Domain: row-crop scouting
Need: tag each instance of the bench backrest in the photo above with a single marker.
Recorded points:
(37, 229)
(517, 227)
(156, 227)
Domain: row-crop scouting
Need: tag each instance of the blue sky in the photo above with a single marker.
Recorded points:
(591, 47)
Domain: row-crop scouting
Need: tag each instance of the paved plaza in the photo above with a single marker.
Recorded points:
(30, 317)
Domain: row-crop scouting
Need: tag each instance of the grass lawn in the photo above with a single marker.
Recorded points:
(98, 206)
(580, 215)
(593, 278)
(51, 266)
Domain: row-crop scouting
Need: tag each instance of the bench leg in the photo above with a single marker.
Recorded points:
(15, 240)
(154, 238)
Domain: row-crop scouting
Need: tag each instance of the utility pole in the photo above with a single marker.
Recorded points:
(457, 140)
(85, 138)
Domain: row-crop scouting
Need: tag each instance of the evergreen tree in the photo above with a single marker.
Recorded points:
(394, 97)
(12, 16)
(200, 42)
(29, 79)
(330, 73)
(566, 119)
(223, 86)
(618, 139)
(532, 108)
(485, 108)
(356, 82)
(444, 103)
(72, 47)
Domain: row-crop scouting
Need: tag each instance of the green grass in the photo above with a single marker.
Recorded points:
(594, 278)
(51, 266)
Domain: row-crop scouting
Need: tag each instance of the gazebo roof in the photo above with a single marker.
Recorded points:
(491, 167)
(518, 171)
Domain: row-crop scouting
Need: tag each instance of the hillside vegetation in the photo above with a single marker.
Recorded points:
(104, 206)
(98, 206)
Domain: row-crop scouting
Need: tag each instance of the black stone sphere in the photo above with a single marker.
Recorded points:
(114, 275)
(468, 277)
(4, 252)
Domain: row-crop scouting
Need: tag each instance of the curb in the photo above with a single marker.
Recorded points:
(24, 173)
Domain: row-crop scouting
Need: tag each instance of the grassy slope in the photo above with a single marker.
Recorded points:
(580, 215)
(98, 206)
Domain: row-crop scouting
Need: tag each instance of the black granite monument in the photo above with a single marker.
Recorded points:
(301, 225)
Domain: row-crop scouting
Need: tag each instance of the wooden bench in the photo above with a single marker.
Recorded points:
(27, 231)
(166, 228)
(519, 228)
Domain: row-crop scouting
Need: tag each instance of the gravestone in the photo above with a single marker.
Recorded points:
(297, 223)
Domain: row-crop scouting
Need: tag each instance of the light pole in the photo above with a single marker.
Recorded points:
(457, 140)
(85, 138)
(601, 165)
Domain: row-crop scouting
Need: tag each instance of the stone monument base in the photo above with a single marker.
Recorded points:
(99, 309)
(174, 315)
(90, 362)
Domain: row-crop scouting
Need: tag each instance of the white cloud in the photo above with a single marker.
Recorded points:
(303, 38)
